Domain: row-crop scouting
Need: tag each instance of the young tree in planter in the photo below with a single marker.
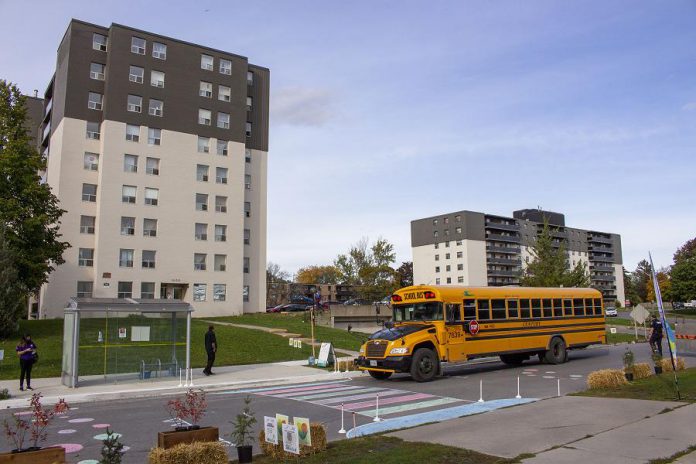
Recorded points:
(112, 448)
(192, 407)
(243, 431)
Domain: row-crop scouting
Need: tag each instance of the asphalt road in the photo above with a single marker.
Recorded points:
(139, 420)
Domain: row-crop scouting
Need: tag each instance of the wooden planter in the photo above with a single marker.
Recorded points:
(50, 455)
(169, 439)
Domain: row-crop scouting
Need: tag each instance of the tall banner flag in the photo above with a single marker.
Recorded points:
(671, 339)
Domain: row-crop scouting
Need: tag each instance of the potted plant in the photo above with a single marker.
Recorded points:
(629, 361)
(17, 428)
(187, 412)
(657, 360)
(243, 432)
(112, 448)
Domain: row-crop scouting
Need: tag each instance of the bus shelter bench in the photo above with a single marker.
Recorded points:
(157, 368)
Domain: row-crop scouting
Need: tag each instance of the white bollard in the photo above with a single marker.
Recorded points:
(180, 384)
(377, 419)
(559, 387)
(343, 430)
(518, 388)
(292, 341)
(186, 376)
(299, 343)
(480, 391)
(354, 423)
(191, 383)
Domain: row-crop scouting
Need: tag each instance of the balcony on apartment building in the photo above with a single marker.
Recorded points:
(605, 259)
(501, 226)
(599, 239)
(602, 278)
(505, 261)
(503, 249)
(499, 273)
(600, 249)
(601, 268)
(503, 238)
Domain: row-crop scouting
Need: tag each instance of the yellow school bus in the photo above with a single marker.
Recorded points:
(436, 325)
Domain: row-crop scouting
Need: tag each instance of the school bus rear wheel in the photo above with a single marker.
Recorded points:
(556, 354)
(425, 365)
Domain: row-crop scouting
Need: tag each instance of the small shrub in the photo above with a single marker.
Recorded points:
(629, 360)
(667, 364)
(276, 452)
(5, 394)
(642, 371)
(606, 378)
(192, 407)
(209, 452)
(112, 449)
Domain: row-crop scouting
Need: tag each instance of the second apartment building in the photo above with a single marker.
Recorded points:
(158, 150)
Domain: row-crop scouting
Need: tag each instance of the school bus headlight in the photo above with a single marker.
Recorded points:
(362, 349)
(401, 350)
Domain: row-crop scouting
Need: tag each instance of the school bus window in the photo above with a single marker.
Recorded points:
(512, 309)
(568, 307)
(557, 307)
(578, 307)
(548, 311)
(588, 306)
(536, 307)
(484, 311)
(598, 306)
(454, 313)
(469, 310)
(431, 311)
(498, 309)
(525, 309)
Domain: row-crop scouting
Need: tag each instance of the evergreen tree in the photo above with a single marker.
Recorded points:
(12, 292)
(28, 209)
(549, 266)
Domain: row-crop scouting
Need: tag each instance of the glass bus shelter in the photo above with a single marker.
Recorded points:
(117, 339)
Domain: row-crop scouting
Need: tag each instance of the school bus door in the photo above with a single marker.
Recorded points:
(454, 325)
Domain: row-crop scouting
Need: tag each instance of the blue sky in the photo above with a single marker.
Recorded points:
(384, 112)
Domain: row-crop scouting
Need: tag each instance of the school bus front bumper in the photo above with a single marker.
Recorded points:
(388, 364)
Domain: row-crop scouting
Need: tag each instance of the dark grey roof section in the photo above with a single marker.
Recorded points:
(538, 215)
(128, 305)
(34, 107)
(470, 223)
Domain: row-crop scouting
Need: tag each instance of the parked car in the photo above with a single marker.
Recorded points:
(301, 299)
(677, 305)
(384, 301)
(277, 309)
(296, 307)
(356, 302)
(611, 312)
(331, 302)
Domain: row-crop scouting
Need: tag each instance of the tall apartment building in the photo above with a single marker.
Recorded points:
(157, 148)
(479, 249)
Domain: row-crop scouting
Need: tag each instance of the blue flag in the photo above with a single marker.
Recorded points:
(671, 339)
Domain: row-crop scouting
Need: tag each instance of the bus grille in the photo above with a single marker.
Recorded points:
(376, 349)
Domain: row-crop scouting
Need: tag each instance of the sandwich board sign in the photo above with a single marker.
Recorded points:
(326, 355)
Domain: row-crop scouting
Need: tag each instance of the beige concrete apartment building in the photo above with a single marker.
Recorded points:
(158, 151)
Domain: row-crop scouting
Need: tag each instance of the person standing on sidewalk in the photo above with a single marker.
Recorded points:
(656, 335)
(210, 349)
(25, 350)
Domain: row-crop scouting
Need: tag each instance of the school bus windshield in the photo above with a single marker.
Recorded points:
(431, 311)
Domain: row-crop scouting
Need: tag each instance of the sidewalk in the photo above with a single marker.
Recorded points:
(95, 389)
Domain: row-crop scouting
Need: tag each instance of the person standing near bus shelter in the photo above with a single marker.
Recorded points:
(656, 335)
(210, 349)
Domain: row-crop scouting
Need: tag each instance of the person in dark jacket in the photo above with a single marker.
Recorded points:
(25, 350)
(656, 335)
(210, 348)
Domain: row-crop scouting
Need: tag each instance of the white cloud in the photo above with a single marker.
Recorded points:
(301, 106)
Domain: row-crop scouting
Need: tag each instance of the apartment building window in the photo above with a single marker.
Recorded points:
(445, 220)
(448, 268)
(199, 291)
(437, 246)
(136, 74)
(221, 175)
(458, 230)
(245, 293)
(89, 192)
(130, 163)
(204, 117)
(201, 231)
(220, 204)
(132, 133)
(249, 102)
(207, 62)
(248, 129)
(96, 71)
(447, 243)
(449, 280)
(199, 261)
(225, 67)
(459, 242)
(460, 279)
(206, 89)
(458, 218)
(245, 265)
(460, 254)
(157, 79)
(250, 77)
(222, 147)
(203, 144)
(446, 231)
(247, 209)
(91, 161)
(154, 136)
(99, 42)
(247, 181)
(152, 166)
(93, 130)
(149, 227)
(159, 50)
(156, 107)
(437, 281)
(201, 202)
(87, 224)
(202, 172)
(125, 290)
(147, 290)
(437, 257)
(95, 101)
(447, 256)
(85, 257)
(125, 257)
(220, 233)
(435, 234)
(151, 196)
(135, 104)
(434, 222)
(219, 292)
(437, 268)
(138, 45)
(247, 156)
(128, 193)
(224, 93)
(220, 262)
(247, 236)
(84, 289)
(223, 120)
(127, 225)
(148, 261)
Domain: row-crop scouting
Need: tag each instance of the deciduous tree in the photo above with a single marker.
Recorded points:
(369, 268)
(683, 274)
(317, 275)
(404, 274)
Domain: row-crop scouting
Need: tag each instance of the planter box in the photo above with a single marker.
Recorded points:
(50, 455)
(168, 439)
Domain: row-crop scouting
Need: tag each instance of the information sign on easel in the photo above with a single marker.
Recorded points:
(327, 355)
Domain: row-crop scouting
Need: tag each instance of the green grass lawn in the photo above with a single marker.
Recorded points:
(624, 338)
(299, 323)
(237, 346)
(655, 387)
(390, 450)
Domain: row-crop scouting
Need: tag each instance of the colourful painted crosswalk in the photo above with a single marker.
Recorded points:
(356, 398)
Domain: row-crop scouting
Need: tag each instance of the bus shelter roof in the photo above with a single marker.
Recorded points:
(129, 305)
